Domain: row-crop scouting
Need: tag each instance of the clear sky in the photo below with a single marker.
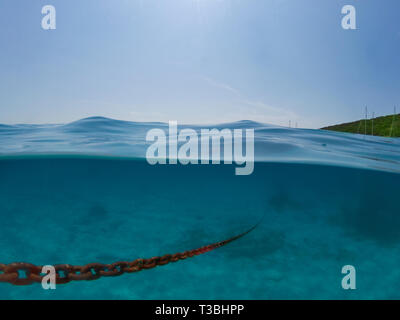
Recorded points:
(198, 61)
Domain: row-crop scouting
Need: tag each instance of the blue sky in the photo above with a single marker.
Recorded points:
(198, 61)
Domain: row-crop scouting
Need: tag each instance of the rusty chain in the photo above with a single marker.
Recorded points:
(66, 273)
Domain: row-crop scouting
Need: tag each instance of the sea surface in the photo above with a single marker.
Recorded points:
(83, 192)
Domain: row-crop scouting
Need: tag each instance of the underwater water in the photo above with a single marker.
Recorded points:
(83, 192)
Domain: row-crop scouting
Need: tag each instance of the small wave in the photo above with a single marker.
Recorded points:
(99, 136)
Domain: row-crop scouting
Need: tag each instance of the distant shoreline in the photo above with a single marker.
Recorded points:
(385, 126)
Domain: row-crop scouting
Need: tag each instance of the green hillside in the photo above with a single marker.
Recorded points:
(386, 126)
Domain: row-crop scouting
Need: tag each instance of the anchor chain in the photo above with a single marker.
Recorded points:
(66, 273)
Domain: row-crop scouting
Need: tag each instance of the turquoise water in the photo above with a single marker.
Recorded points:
(82, 192)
